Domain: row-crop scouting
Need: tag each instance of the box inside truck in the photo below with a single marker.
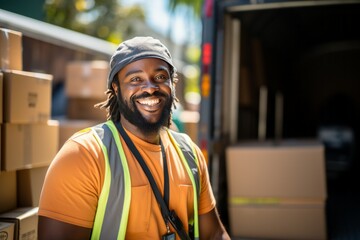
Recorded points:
(298, 77)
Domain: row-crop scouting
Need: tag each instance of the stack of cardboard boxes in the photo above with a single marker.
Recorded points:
(29, 139)
(85, 86)
(277, 191)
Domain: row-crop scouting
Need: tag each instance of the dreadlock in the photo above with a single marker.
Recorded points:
(112, 106)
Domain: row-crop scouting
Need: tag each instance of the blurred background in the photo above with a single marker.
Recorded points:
(176, 23)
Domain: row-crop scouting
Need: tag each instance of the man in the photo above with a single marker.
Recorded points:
(98, 187)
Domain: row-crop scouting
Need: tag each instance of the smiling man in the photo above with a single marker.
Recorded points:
(131, 177)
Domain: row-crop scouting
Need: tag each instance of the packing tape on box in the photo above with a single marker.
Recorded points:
(274, 201)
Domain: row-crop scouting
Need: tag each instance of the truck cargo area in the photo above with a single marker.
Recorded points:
(292, 71)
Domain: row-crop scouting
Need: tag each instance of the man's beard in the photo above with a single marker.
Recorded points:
(131, 113)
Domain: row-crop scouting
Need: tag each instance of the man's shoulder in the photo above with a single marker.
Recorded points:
(184, 140)
(86, 134)
(180, 136)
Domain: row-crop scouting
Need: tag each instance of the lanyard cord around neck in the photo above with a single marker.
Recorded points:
(169, 216)
(164, 202)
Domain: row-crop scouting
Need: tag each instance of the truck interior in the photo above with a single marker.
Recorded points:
(306, 60)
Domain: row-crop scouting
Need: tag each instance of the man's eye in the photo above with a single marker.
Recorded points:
(135, 79)
(161, 78)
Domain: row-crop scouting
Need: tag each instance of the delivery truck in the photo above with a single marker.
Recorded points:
(276, 71)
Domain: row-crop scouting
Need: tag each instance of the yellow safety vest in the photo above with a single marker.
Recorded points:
(115, 197)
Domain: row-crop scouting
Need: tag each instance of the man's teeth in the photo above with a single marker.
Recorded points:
(149, 102)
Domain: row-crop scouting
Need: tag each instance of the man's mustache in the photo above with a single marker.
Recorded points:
(146, 95)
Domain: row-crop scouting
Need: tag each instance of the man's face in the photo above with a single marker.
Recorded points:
(145, 95)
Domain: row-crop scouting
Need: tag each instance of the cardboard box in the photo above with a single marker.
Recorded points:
(25, 220)
(1, 96)
(87, 79)
(29, 145)
(292, 169)
(27, 97)
(29, 185)
(7, 191)
(278, 221)
(10, 49)
(68, 127)
(0, 146)
(83, 109)
(277, 190)
(7, 231)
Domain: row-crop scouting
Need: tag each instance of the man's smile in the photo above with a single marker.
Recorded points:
(148, 101)
(149, 104)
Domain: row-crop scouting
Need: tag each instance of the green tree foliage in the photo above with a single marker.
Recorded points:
(105, 19)
(194, 5)
(190, 10)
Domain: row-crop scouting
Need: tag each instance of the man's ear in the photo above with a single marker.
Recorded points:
(115, 87)
(173, 84)
(173, 89)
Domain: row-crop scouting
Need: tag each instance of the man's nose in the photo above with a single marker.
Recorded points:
(150, 87)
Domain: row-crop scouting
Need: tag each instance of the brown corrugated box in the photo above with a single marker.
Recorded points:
(7, 231)
(29, 145)
(86, 79)
(1, 96)
(25, 220)
(27, 97)
(10, 49)
(266, 221)
(29, 185)
(277, 186)
(83, 109)
(7, 191)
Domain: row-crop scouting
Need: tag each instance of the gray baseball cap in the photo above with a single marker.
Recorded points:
(135, 49)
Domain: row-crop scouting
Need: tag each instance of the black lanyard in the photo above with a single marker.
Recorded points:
(146, 170)
(169, 216)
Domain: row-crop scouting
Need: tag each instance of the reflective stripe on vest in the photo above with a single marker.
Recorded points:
(114, 201)
(187, 154)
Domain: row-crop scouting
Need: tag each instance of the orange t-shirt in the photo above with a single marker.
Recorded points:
(75, 177)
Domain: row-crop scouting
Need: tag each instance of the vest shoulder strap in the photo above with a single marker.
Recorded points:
(184, 143)
(116, 190)
(184, 146)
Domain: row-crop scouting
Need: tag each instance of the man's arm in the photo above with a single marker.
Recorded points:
(56, 230)
(210, 226)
